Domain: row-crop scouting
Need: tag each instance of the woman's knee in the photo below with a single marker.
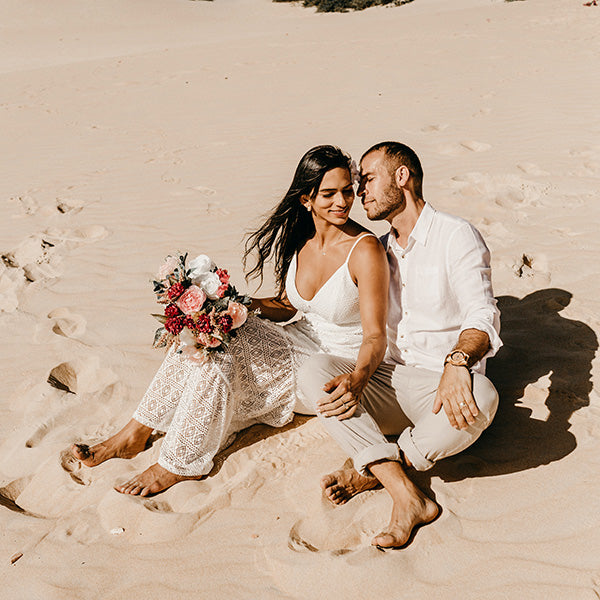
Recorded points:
(317, 370)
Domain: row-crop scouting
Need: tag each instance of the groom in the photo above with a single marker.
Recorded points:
(430, 392)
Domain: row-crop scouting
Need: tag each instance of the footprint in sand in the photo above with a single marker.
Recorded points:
(458, 149)
(506, 191)
(9, 495)
(69, 205)
(89, 233)
(589, 161)
(532, 169)
(158, 506)
(529, 266)
(475, 146)
(64, 377)
(35, 257)
(434, 128)
(27, 204)
(74, 468)
(67, 324)
(210, 207)
(204, 190)
(10, 282)
(341, 529)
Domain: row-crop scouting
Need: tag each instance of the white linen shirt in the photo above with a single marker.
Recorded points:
(440, 285)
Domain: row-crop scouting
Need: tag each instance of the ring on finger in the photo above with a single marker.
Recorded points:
(462, 404)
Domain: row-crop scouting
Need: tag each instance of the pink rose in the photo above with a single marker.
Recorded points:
(238, 313)
(191, 300)
(170, 264)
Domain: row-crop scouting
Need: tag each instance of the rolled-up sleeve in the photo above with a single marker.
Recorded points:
(470, 272)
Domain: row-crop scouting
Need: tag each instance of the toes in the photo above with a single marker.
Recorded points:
(384, 540)
(327, 481)
(387, 540)
(129, 487)
(81, 451)
(336, 493)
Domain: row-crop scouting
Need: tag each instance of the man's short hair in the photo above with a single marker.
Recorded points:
(398, 155)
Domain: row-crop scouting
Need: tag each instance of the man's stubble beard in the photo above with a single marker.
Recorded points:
(394, 199)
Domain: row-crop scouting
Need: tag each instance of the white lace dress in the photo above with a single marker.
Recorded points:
(202, 406)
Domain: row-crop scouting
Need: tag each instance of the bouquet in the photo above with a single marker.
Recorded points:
(202, 309)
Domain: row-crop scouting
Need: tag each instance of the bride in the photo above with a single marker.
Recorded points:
(329, 269)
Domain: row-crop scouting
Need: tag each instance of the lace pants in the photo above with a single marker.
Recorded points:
(202, 406)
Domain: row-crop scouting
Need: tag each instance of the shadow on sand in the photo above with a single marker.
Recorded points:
(538, 342)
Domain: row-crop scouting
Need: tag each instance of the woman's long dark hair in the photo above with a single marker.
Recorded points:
(290, 225)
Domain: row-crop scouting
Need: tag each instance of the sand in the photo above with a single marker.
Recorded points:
(131, 130)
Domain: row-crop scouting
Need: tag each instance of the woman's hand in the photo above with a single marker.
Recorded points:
(344, 396)
(276, 308)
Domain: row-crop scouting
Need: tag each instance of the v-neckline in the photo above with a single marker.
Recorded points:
(324, 284)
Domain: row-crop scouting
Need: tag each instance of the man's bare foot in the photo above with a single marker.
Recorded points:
(342, 485)
(153, 480)
(411, 508)
(127, 443)
(405, 518)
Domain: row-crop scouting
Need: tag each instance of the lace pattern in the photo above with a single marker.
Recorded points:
(201, 406)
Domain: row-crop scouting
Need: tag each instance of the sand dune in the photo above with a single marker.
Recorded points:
(133, 130)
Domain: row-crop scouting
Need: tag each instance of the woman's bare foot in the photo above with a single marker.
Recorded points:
(342, 485)
(153, 480)
(411, 508)
(127, 443)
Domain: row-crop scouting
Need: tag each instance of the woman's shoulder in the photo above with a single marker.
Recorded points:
(363, 238)
(367, 250)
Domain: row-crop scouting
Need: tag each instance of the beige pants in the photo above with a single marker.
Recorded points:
(397, 401)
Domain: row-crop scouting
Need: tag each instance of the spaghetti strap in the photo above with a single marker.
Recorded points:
(364, 235)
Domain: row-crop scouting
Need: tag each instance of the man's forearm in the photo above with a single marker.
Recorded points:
(473, 342)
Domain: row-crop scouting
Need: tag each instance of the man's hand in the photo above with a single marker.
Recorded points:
(455, 395)
(344, 396)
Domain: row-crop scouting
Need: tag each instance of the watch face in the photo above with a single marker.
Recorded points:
(458, 355)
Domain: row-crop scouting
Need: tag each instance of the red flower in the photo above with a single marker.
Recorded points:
(222, 289)
(225, 322)
(223, 275)
(174, 325)
(175, 291)
(172, 311)
(203, 325)
(189, 323)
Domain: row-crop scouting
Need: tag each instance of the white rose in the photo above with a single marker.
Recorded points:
(199, 267)
(210, 283)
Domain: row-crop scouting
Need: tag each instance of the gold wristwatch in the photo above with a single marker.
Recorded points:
(458, 358)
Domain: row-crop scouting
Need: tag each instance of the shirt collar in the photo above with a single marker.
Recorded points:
(421, 229)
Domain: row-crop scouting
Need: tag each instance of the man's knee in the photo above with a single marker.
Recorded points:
(317, 370)
(486, 396)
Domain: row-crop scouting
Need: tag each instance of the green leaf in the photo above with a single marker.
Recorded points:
(161, 338)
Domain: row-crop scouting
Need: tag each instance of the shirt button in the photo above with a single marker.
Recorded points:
(402, 256)
(403, 285)
(402, 336)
